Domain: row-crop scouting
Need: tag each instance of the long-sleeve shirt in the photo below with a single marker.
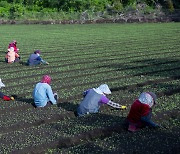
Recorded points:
(42, 94)
(91, 102)
(4, 97)
(140, 112)
(11, 56)
(103, 99)
(35, 59)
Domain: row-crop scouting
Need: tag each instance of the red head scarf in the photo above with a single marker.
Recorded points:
(46, 79)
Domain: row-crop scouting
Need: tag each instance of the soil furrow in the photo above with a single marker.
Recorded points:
(86, 137)
(108, 65)
(92, 61)
(24, 125)
(134, 86)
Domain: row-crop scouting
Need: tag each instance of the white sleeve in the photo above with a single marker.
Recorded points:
(115, 105)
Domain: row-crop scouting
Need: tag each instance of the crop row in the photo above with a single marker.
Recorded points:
(93, 50)
(117, 143)
(94, 78)
(61, 129)
(131, 42)
(32, 115)
(127, 57)
(121, 96)
(74, 92)
(99, 75)
(58, 132)
(85, 65)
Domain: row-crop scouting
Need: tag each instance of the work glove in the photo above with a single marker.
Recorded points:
(12, 98)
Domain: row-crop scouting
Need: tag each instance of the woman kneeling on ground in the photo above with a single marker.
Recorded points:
(93, 98)
(4, 97)
(35, 59)
(12, 56)
(43, 93)
(141, 112)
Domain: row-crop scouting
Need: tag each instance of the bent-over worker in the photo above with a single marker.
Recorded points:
(141, 112)
(93, 98)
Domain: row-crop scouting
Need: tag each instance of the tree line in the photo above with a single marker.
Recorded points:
(81, 5)
(15, 8)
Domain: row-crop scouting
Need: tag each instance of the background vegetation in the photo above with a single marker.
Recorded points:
(71, 9)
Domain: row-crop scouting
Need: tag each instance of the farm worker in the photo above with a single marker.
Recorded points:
(4, 97)
(43, 93)
(141, 112)
(12, 56)
(93, 98)
(14, 45)
(35, 59)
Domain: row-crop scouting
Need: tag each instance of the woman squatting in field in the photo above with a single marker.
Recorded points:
(4, 97)
(43, 93)
(93, 98)
(35, 59)
(12, 56)
(141, 112)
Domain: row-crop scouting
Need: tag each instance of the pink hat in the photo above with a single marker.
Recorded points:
(46, 79)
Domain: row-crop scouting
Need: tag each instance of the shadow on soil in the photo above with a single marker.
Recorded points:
(168, 69)
(138, 143)
(2, 61)
(26, 100)
(68, 106)
(96, 120)
(114, 128)
(150, 67)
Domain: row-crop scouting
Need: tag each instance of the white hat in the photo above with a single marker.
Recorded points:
(1, 84)
(147, 98)
(103, 89)
(11, 49)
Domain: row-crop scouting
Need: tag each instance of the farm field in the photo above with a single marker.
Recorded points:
(130, 58)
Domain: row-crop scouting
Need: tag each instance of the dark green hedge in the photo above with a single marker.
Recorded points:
(12, 9)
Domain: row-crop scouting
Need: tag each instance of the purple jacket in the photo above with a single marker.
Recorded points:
(34, 59)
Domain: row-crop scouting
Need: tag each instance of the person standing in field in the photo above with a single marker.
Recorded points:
(93, 98)
(14, 45)
(141, 112)
(12, 56)
(4, 97)
(35, 59)
(43, 93)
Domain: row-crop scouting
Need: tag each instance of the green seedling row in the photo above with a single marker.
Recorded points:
(130, 58)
